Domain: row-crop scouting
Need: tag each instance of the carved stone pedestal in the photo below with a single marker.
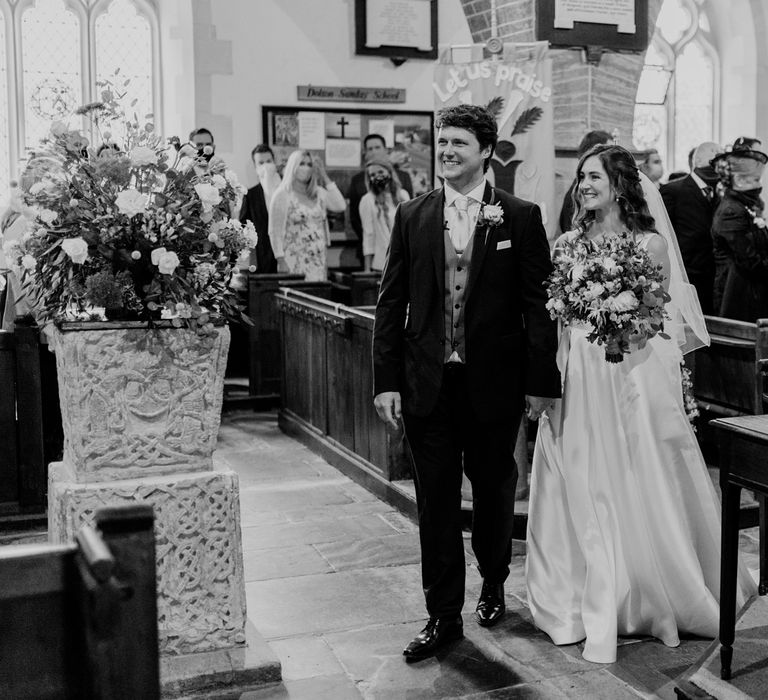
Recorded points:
(141, 411)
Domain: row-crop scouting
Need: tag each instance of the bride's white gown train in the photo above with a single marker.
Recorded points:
(624, 522)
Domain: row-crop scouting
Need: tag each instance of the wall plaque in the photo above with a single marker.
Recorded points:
(349, 94)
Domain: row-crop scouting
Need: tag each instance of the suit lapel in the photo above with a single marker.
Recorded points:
(434, 224)
(480, 244)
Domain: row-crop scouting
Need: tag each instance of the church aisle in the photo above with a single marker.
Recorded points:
(332, 584)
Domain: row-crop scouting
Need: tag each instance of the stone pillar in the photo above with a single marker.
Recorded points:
(141, 411)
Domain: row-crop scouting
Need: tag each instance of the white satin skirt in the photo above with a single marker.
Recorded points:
(624, 522)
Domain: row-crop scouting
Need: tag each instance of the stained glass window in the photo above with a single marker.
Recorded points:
(674, 105)
(52, 67)
(64, 48)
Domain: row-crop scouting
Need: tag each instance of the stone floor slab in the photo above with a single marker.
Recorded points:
(320, 688)
(365, 553)
(287, 498)
(332, 602)
(306, 657)
(284, 562)
(278, 535)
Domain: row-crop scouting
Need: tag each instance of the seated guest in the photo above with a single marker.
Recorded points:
(567, 210)
(377, 211)
(298, 219)
(374, 148)
(741, 239)
(649, 162)
(255, 209)
(690, 202)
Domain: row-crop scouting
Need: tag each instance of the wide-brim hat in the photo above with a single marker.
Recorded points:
(744, 147)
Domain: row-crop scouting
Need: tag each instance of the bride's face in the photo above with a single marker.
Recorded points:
(595, 191)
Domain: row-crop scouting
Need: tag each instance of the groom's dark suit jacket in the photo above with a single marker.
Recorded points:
(510, 340)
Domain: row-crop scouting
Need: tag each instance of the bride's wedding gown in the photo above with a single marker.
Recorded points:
(624, 522)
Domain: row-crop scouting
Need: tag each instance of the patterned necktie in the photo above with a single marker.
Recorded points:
(708, 192)
(460, 229)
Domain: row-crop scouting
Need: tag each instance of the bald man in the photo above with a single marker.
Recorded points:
(691, 203)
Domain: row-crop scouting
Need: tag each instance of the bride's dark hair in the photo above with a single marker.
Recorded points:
(624, 177)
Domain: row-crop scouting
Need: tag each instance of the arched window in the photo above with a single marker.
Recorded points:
(56, 51)
(676, 97)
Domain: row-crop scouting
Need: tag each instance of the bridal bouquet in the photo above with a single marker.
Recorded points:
(126, 231)
(613, 288)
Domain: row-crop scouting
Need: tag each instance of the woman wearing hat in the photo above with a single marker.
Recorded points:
(740, 238)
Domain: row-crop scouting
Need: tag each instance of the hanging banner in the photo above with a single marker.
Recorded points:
(517, 89)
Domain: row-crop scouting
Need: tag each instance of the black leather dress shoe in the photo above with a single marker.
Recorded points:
(438, 632)
(490, 608)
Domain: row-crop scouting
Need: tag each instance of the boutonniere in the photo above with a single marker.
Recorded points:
(757, 220)
(491, 215)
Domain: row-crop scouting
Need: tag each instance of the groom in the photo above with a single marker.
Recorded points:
(462, 344)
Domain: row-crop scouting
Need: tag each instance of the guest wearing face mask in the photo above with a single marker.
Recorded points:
(691, 204)
(298, 220)
(377, 211)
(741, 239)
(255, 207)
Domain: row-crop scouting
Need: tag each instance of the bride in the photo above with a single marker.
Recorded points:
(624, 523)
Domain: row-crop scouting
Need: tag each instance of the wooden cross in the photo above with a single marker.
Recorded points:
(342, 123)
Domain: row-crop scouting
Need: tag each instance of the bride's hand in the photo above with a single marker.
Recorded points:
(536, 405)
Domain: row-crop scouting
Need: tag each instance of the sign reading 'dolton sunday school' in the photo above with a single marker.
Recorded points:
(349, 94)
(618, 12)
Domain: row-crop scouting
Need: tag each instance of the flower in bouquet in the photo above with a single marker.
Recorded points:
(127, 226)
(611, 287)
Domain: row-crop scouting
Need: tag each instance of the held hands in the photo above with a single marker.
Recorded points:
(389, 407)
(536, 405)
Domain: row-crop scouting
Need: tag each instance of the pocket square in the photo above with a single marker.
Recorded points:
(502, 245)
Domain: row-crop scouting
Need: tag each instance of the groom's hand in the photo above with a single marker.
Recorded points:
(389, 408)
(536, 405)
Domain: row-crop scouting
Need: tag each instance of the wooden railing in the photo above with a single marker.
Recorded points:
(80, 622)
(326, 393)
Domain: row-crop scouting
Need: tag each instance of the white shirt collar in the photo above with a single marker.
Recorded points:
(476, 193)
(699, 181)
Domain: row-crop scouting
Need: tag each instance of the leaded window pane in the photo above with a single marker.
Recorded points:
(51, 67)
(694, 97)
(5, 155)
(124, 41)
(650, 127)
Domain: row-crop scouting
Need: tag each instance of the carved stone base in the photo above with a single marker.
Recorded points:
(200, 583)
(234, 670)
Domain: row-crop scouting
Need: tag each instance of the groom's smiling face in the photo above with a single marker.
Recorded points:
(460, 156)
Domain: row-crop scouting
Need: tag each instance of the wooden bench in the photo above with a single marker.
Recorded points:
(80, 621)
(728, 376)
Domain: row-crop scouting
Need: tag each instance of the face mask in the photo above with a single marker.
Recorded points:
(708, 174)
(379, 183)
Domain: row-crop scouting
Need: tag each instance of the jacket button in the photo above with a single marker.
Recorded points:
(458, 269)
(458, 287)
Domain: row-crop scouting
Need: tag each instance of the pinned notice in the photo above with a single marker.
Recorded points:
(618, 12)
(311, 130)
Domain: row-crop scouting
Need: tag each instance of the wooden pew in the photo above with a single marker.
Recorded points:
(80, 621)
(728, 381)
(728, 376)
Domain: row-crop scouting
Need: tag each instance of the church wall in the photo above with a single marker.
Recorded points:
(258, 54)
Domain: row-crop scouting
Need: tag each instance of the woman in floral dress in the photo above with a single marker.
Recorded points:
(298, 221)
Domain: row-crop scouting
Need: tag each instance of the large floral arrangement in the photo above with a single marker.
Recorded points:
(130, 227)
(612, 287)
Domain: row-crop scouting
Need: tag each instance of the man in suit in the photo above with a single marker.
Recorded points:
(462, 342)
(374, 148)
(255, 207)
(691, 203)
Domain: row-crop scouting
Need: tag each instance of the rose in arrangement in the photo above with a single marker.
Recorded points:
(612, 287)
(128, 227)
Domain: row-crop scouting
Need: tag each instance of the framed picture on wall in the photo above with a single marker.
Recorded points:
(397, 29)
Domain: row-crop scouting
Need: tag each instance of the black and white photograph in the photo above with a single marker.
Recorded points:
(383, 349)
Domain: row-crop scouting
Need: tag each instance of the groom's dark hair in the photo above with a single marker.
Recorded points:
(476, 119)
